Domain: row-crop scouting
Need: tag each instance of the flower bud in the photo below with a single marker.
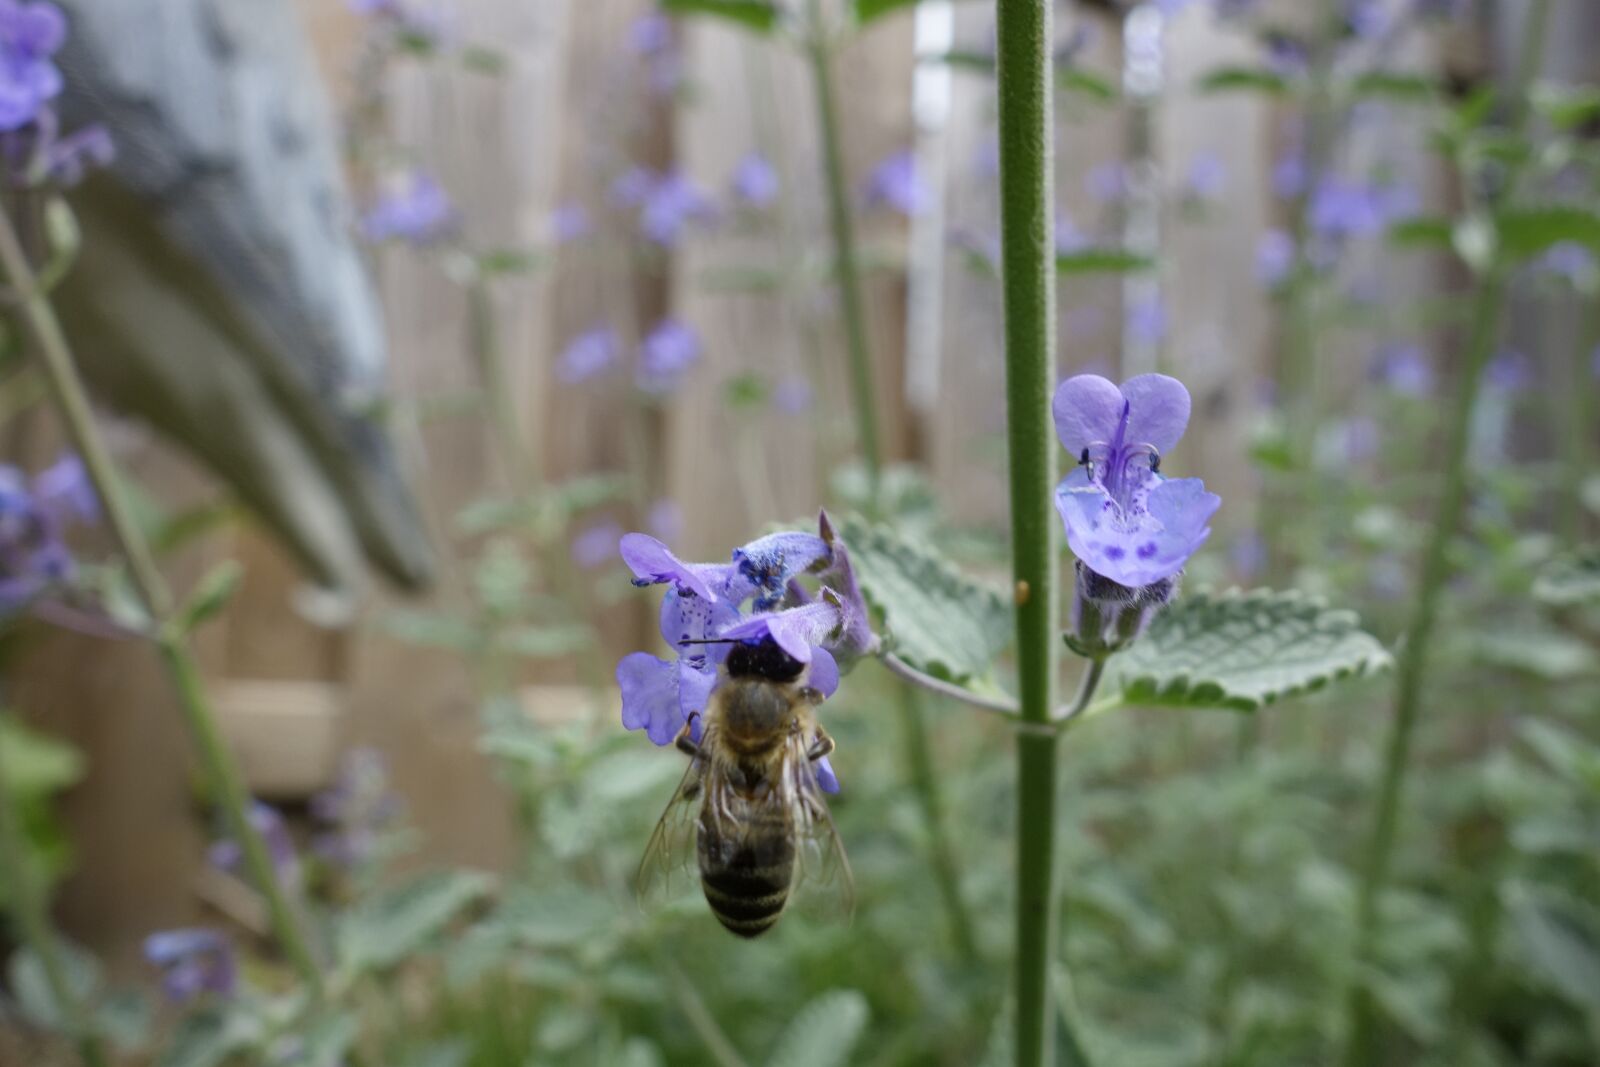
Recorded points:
(1107, 616)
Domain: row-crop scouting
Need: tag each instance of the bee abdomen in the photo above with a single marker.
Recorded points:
(747, 894)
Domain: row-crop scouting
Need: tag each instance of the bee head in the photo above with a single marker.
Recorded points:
(763, 659)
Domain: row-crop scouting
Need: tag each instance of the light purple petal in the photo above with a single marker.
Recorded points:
(650, 696)
(686, 619)
(694, 690)
(1158, 411)
(1135, 550)
(769, 562)
(824, 676)
(1087, 409)
(652, 562)
(796, 630)
(825, 776)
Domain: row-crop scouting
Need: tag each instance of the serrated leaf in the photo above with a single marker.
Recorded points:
(824, 1032)
(937, 619)
(395, 923)
(1101, 261)
(1571, 580)
(1254, 79)
(1526, 232)
(758, 15)
(1243, 650)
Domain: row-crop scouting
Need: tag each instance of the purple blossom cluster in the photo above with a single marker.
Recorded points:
(665, 355)
(355, 812)
(193, 961)
(34, 516)
(31, 139)
(667, 203)
(226, 854)
(413, 207)
(895, 183)
(705, 609)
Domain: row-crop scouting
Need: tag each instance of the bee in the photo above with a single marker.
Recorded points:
(749, 801)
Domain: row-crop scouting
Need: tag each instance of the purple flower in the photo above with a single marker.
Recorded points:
(594, 544)
(569, 222)
(1289, 174)
(227, 854)
(632, 186)
(665, 354)
(30, 34)
(33, 519)
(1366, 18)
(1124, 520)
(896, 184)
(1569, 260)
(768, 563)
(1146, 321)
(67, 159)
(793, 395)
(357, 810)
(1206, 178)
(1287, 57)
(1509, 372)
(1347, 442)
(755, 183)
(1341, 208)
(670, 204)
(1107, 183)
(1402, 368)
(1070, 240)
(1274, 257)
(413, 207)
(193, 961)
(588, 355)
(650, 34)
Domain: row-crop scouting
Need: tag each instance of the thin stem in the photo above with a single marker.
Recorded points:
(1087, 685)
(862, 392)
(699, 1016)
(484, 340)
(1004, 705)
(71, 399)
(1028, 276)
(1412, 670)
(30, 908)
(925, 784)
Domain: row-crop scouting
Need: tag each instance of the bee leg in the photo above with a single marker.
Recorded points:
(685, 739)
(811, 695)
(822, 746)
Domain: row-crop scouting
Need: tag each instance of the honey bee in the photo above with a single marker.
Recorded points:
(749, 802)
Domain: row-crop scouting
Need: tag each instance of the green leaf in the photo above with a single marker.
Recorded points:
(36, 765)
(1571, 580)
(1423, 231)
(1085, 83)
(559, 918)
(1526, 232)
(324, 1042)
(1412, 88)
(31, 988)
(1561, 940)
(63, 238)
(1243, 650)
(1252, 79)
(864, 11)
(977, 62)
(396, 923)
(758, 15)
(824, 1032)
(207, 1038)
(450, 1052)
(1101, 261)
(936, 618)
(210, 596)
(1566, 106)
(1538, 651)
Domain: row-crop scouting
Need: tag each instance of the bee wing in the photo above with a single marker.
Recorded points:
(668, 867)
(824, 886)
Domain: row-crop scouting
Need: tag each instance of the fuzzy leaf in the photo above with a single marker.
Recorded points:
(395, 923)
(206, 1038)
(1230, 78)
(1561, 938)
(824, 1032)
(936, 618)
(1086, 83)
(1571, 580)
(1243, 650)
(758, 15)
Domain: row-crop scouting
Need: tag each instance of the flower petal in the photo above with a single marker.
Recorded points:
(796, 630)
(769, 562)
(652, 562)
(1158, 411)
(824, 676)
(825, 776)
(1087, 409)
(1142, 548)
(650, 696)
(687, 619)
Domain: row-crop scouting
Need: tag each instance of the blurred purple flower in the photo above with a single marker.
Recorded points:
(1171, 8)
(665, 520)
(1569, 260)
(896, 184)
(412, 207)
(1509, 371)
(1206, 178)
(1107, 183)
(793, 395)
(356, 811)
(670, 349)
(755, 182)
(1070, 240)
(227, 855)
(1402, 368)
(1341, 208)
(594, 544)
(650, 34)
(671, 203)
(1286, 57)
(569, 222)
(68, 159)
(632, 186)
(1289, 174)
(588, 355)
(1367, 19)
(33, 518)
(1146, 321)
(193, 961)
(1248, 555)
(1274, 257)
(1125, 521)
(30, 34)
(1345, 442)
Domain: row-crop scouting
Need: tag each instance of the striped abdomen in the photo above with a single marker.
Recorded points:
(746, 874)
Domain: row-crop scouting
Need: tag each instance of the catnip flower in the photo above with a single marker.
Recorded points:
(33, 519)
(588, 355)
(1509, 372)
(594, 544)
(570, 222)
(227, 855)
(1146, 321)
(1568, 260)
(670, 204)
(30, 35)
(793, 395)
(667, 351)
(755, 182)
(357, 810)
(412, 207)
(1274, 258)
(703, 611)
(896, 184)
(1124, 520)
(193, 961)
(1206, 177)
(1403, 369)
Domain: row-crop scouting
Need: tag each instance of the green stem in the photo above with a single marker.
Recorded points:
(483, 338)
(925, 784)
(72, 401)
(862, 392)
(30, 908)
(1028, 276)
(1580, 426)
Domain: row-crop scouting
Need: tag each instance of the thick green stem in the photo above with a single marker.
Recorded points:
(1028, 277)
(71, 399)
(30, 909)
(862, 391)
(925, 784)
(1411, 674)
